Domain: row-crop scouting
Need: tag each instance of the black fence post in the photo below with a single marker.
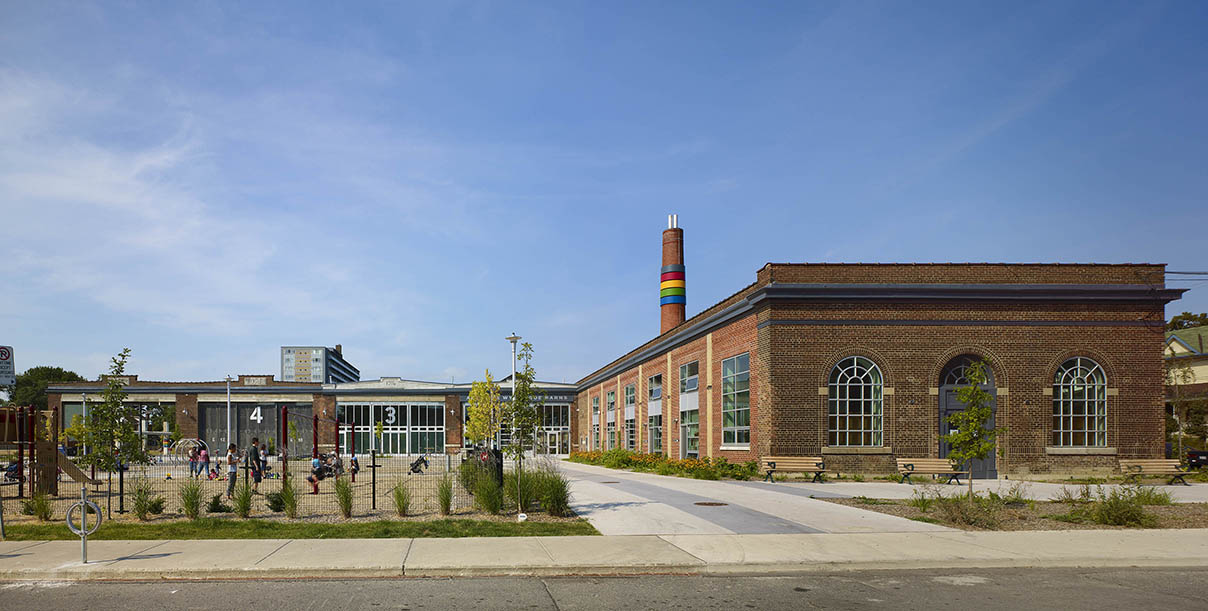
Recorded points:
(121, 488)
(352, 439)
(315, 434)
(373, 476)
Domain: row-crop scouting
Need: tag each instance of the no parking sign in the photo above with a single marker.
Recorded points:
(8, 373)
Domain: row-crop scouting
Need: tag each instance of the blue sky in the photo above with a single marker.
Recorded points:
(205, 182)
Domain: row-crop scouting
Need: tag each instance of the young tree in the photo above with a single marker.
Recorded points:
(485, 410)
(970, 439)
(111, 430)
(523, 414)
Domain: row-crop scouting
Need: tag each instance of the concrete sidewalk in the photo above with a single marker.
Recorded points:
(620, 555)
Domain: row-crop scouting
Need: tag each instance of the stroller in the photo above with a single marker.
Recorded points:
(419, 465)
(12, 472)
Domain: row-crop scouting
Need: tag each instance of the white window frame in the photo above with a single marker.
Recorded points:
(689, 383)
(735, 435)
(1080, 398)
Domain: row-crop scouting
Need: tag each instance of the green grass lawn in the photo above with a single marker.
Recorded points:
(214, 528)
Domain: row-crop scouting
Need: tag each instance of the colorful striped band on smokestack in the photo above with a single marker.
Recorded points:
(671, 287)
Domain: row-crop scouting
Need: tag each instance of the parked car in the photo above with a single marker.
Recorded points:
(1197, 459)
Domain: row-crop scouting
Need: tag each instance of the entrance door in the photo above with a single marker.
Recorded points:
(951, 380)
(689, 434)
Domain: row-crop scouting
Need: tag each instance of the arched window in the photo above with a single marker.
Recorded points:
(855, 403)
(1080, 404)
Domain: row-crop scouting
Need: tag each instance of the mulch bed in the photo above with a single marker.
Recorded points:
(1037, 515)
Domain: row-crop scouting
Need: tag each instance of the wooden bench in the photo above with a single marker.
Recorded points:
(794, 464)
(1134, 469)
(929, 466)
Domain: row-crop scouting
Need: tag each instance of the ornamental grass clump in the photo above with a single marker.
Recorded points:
(488, 494)
(145, 501)
(190, 499)
(39, 506)
(289, 497)
(343, 489)
(401, 495)
(444, 494)
(242, 499)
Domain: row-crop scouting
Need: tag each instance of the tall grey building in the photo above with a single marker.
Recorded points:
(316, 364)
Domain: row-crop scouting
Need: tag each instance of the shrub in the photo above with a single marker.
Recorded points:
(978, 511)
(444, 494)
(617, 458)
(857, 478)
(289, 497)
(274, 502)
(217, 506)
(1016, 495)
(243, 499)
(467, 474)
(921, 501)
(555, 494)
(488, 495)
(190, 499)
(666, 468)
(142, 497)
(1120, 507)
(521, 485)
(343, 488)
(401, 495)
(1148, 495)
(39, 506)
(157, 505)
(1070, 497)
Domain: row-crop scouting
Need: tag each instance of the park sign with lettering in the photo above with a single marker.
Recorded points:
(8, 372)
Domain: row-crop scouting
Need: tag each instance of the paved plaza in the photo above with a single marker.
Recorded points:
(620, 502)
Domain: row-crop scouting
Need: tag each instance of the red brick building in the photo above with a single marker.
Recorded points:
(859, 363)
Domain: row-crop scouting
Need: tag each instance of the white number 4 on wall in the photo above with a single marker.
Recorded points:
(256, 415)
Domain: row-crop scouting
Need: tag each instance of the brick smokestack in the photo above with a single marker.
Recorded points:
(672, 299)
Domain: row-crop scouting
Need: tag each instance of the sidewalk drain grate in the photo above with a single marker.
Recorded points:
(709, 504)
(610, 482)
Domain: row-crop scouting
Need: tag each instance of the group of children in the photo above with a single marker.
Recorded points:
(256, 456)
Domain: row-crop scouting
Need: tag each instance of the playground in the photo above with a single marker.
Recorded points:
(39, 467)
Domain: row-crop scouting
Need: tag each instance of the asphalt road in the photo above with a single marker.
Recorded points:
(1097, 589)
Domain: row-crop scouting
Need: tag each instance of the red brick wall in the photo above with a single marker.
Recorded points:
(186, 416)
(1023, 360)
(453, 424)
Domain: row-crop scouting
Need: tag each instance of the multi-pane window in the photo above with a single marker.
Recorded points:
(595, 436)
(612, 435)
(690, 423)
(630, 434)
(654, 434)
(612, 400)
(1080, 404)
(405, 428)
(654, 387)
(736, 400)
(855, 403)
(595, 405)
(688, 377)
(555, 416)
(631, 396)
(427, 429)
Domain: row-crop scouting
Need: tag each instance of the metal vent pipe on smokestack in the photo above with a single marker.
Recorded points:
(672, 297)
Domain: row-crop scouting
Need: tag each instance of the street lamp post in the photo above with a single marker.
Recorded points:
(513, 338)
(228, 381)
